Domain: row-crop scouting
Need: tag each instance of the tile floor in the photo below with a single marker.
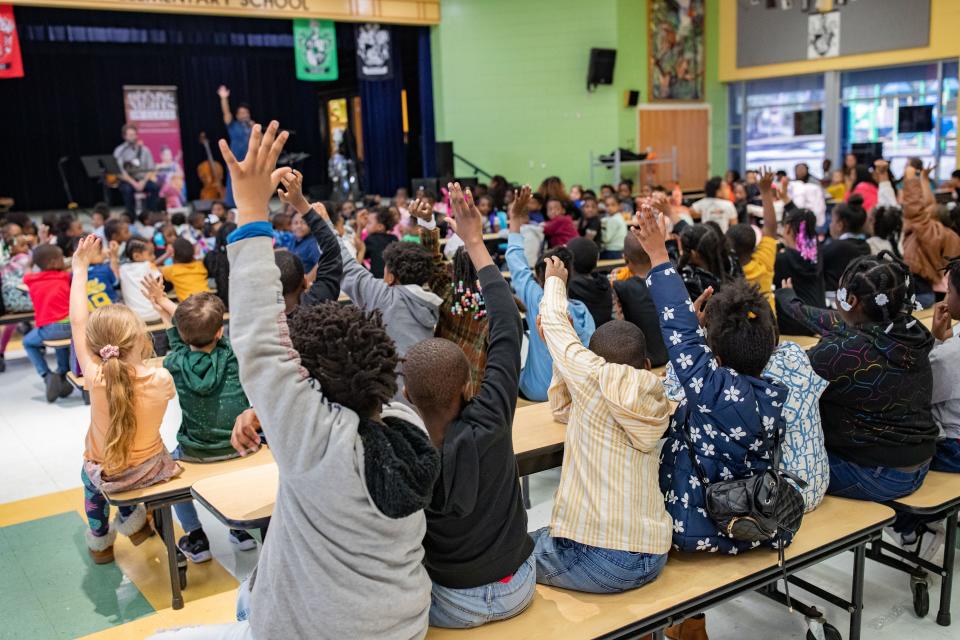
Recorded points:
(48, 589)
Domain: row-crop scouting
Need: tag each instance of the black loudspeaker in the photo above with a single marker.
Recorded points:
(600, 70)
(444, 151)
(631, 98)
(426, 184)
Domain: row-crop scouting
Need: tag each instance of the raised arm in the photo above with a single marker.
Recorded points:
(815, 319)
(571, 359)
(270, 369)
(224, 94)
(886, 194)
(521, 277)
(152, 289)
(79, 310)
(766, 196)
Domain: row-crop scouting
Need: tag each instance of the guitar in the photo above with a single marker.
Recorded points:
(210, 173)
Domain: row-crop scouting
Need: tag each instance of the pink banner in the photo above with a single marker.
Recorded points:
(154, 110)
(11, 64)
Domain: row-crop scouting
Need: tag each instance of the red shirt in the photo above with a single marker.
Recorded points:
(560, 231)
(50, 292)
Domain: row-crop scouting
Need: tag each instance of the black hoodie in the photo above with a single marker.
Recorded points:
(876, 408)
(593, 290)
(807, 283)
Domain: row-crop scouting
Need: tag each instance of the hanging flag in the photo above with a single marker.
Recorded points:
(374, 61)
(11, 64)
(315, 49)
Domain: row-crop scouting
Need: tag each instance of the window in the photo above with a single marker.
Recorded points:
(769, 122)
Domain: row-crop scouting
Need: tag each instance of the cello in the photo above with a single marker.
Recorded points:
(210, 173)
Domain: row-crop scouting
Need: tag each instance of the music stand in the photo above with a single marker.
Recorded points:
(98, 167)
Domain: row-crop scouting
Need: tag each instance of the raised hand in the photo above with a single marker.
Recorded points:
(555, 269)
(767, 176)
(927, 170)
(321, 211)
(468, 220)
(421, 209)
(256, 177)
(881, 170)
(293, 183)
(88, 247)
(223, 92)
(152, 288)
(651, 230)
(700, 305)
(519, 215)
(245, 438)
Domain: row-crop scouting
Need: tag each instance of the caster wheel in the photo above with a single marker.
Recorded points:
(830, 632)
(182, 573)
(921, 598)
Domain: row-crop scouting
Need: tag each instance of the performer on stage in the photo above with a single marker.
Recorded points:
(238, 130)
(138, 168)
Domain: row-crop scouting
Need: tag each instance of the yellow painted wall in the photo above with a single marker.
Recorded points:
(944, 43)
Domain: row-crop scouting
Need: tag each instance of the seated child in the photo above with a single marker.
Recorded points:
(758, 259)
(879, 430)
(847, 240)
(304, 245)
(282, 236)
(527, 284)
(590, 225)
(128, 399)
(293, 281)
(103, 277)
(633, 303)
(616, 412)
(187, 274)
(140, 263)
(195, 234)
(217, 265)
(118, 230)
(559, 228)
(927, 242)
(344, 553)
(946, 382)
(731, 421)
(493, 221)
(705, 259)
(800, 262)
(207, 378)
(15, 299)
(477, 550)
(380, 220)
(613, 231)
(588, 286)
(50, 294)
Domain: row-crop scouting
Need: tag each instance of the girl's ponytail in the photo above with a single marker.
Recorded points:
(123, 422)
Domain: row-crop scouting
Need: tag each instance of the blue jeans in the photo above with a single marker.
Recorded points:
(466, 608)
(876, 484)
(947, 457)
(186, 512)
(611, 255)
(33, 345)
(571, 565)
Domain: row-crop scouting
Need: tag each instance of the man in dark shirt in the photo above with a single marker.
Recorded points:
(635, 303)
(477, 550)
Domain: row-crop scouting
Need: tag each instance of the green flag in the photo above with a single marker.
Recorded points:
(315, 46)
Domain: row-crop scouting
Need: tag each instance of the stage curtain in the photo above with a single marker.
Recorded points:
(383, 146)
(428, 136)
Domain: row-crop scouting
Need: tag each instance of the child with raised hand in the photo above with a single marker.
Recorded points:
(800, 262)
(344, 553)
(730, 421)
(141, 262)
(128, 399)
(758, 258)
(187, 274)
(528, 285)
(207, 378)
(478, 553)
(946, 381)
(616, 412)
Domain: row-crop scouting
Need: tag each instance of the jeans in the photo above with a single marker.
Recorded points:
(97, 507)
(571, 565)
(876, 484)
(947, 457)
(33, 345)
(611, 255)
(151, 190)
(466, 608)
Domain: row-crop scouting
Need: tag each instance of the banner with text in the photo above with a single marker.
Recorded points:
(374, 59)
(154, 110)
(11, 64)
(315, 50)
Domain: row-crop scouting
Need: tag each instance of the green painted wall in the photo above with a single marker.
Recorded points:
(510, 83)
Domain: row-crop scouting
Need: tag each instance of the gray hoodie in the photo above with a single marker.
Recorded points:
(334, 565)
(410, 312)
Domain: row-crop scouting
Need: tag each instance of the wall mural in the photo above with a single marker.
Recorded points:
(676, 49)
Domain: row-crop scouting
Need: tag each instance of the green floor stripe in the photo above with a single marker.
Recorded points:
(49, 587)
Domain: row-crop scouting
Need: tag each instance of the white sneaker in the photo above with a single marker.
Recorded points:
(931, 540)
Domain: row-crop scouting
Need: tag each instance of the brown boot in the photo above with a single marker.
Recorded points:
(134, 526)
(101, 547)
(694, 628)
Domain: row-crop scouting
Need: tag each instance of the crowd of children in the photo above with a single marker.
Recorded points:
(390, 415)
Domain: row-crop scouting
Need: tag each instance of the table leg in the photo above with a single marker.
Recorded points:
(946, 583)
(856, 599)
(164, 517)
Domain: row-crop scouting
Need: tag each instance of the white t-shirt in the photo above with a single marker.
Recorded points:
(131, 275)
(716, 210)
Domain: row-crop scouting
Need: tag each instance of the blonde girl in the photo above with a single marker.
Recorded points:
(127, 401)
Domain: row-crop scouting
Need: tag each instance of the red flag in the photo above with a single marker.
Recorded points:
(11, 64)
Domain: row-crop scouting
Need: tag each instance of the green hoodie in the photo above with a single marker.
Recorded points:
(211, 397)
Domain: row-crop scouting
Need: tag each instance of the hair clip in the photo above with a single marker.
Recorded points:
(889, 327)
(109, 351)
(881, 299)
(842, 299)
(751, 315)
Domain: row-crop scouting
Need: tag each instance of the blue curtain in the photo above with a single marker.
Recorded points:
(383, 147)
(428, 134)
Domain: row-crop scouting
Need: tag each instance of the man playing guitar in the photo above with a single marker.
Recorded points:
(138, 171)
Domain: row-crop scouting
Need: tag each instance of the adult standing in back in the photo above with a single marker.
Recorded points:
(238, 130)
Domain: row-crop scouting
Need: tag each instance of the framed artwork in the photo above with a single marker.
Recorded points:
(676, 49)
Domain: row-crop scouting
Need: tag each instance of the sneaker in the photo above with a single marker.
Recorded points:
(242, 540)
(931, 540)
(195, 546)
(52, 383)
(65, 387)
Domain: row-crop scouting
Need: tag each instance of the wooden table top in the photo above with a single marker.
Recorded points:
(939, 488)
(558, 613)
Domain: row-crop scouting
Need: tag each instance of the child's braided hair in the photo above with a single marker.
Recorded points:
(465, 295)
(882, 284)
(712, 246)
(803, 223)
(741, 328)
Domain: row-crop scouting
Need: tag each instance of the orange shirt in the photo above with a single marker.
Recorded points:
(152, 392)
(187, 278)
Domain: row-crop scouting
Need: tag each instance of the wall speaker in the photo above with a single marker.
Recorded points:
(631, 98)
(600, 70)
(444, 151)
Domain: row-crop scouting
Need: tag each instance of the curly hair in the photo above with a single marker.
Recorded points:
(741, 329)
(540, 268)
(409, 262)
(349, 353)
(710, 243)
(882, 284)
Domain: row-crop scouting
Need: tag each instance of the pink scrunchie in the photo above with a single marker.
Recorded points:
(109, 351)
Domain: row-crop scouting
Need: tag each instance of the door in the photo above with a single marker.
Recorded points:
(663, 127)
